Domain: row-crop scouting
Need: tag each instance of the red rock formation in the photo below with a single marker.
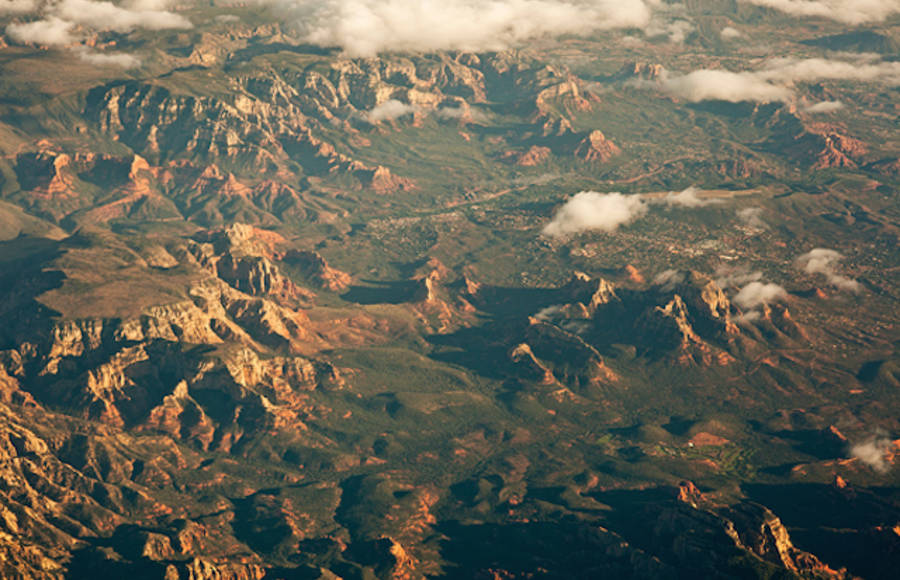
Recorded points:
(313, 265)
(596, 147)
(634, 274)
(531, 367)
(688, 493)
(534, 155)
(640, 70)
(381, 180)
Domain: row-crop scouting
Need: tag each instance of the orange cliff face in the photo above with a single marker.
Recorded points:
(46, 173)
(533, 156)
(316, 267)
(595, 147)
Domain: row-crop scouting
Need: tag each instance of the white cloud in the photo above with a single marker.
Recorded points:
(555, 314)
(668, 279)
(363, 28)
(773, 82)
(848, 11)
(823, 261)
(752, 217)
(60, 18)
(451, 113)
(394, 109)
(670, 20)
(757, 293)
(729, 33)
(845, 283)
(728, 276)
(676, 30)
(873, 452)
(861, 68)
(825, 107)
(819, 260)
(748, 318)
(107, 16)
(722, 85)
(116, 59)
(542, 179)
(549, 313)
(389, 110)
(467, 113)
(148, 5)
(689, 198)
(590, 210)
(48, 32)
(754, 293)
(18, 6)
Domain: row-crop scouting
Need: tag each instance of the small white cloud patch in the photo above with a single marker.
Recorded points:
(823, 261)
(466, 113)
(390, 110)
(757, 293)
(676, 30)
(775, 81)
(50, 31)
(731, 276)
(754, 293)
(115, 59)
(752, 217)
(825, 107)
(549, 313)
(722, 85)
(847, 11)
(688, 198)
(668, 279)
(872, 453)
(17, 6)
(592, 211)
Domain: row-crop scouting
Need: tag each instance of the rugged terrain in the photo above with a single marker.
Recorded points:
(270, 310)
